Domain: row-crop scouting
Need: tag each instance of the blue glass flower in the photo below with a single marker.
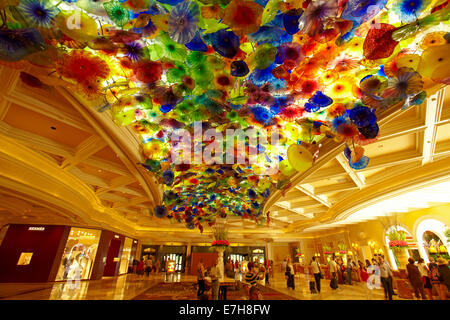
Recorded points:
(361, 164)
(370, 132)
(320, 100)
(168, 177)
(255, 205)
(309, 107)
(17, 44)
(260, 77)
(183, 21)
(171, 2)
(226, 43)
(266, 34)
(409, 10)
(197, 44)
(166, 108)
(160, 211)
(262, 115)
(37, 12)
(347, 153)
(337, 121)
(290, 20)
(362, 116)
(239, 68)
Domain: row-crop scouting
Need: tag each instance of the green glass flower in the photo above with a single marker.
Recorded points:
(118, 14)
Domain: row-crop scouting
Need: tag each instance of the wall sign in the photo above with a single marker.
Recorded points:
(36, 228)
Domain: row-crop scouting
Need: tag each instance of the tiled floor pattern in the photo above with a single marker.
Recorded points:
(126, 287)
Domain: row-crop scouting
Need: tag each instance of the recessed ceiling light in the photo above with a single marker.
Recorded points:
(99, 170)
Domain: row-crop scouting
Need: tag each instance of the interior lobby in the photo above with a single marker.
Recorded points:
(98, 201)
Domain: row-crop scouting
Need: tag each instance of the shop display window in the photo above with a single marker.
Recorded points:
(79, 254)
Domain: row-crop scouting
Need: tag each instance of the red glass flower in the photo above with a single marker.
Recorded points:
(243, 17)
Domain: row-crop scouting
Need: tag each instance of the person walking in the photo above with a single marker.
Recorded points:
(415, 278)
(444, 278)
(434, 276)
(141, 268)
(283, 265)
(424, 272)
(215, 275)
(290, 274)
(148, 266)
(317, 272)
(252, 276)
(385, 275)
(200, 278)
(333, 270)
(349, 271)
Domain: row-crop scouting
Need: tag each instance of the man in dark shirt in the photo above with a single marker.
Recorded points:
(415, 278)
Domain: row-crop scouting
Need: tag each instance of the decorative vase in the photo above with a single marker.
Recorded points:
(402, 258)
(220, 263)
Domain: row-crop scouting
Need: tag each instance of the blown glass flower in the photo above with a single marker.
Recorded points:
(226, 43)
(243, 17)
(409, 10)
(315, 14)
(17, 44)
(405, 83)
(82, 66)
(37, 12)
(117, 13)
(183, 21)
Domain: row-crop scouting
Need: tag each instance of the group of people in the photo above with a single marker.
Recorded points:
(146, 266)
(255, 274)
(425, 277)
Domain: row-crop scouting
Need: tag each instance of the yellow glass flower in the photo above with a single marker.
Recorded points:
(342, 88)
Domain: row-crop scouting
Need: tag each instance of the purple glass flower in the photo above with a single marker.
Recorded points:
(183, 21)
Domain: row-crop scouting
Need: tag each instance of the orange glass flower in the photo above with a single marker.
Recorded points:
(243, 17)
(82, 66)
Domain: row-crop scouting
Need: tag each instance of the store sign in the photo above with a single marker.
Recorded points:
(36, 228)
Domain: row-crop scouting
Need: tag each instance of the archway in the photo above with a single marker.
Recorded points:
(432, 239)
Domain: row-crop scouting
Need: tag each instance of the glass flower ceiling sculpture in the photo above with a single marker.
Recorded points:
(313, 70)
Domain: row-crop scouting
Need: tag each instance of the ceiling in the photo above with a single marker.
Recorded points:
(411, 141)
(76, 140)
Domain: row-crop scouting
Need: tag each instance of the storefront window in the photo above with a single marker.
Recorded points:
(79, 254)
(126, 256)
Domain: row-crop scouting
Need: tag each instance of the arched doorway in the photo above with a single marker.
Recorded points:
(432, 237)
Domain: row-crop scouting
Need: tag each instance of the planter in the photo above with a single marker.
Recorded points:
(402, 258)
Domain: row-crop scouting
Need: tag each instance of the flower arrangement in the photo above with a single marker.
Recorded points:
(398, 243)
(342, 248)
(225, 243)
(327, 250)
(220, 241)
(397, 240)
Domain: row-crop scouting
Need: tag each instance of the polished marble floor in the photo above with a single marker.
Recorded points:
(126, 287)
